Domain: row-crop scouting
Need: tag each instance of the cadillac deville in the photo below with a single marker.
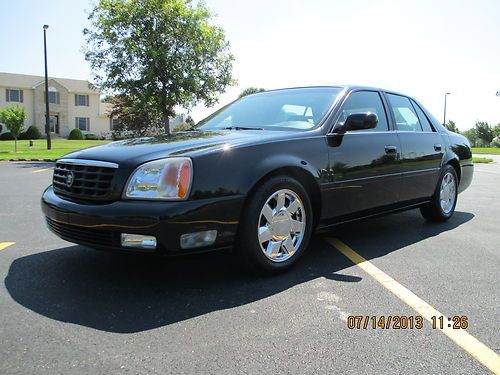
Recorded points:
(260, 175)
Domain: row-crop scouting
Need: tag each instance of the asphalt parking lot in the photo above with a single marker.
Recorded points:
(67, 309)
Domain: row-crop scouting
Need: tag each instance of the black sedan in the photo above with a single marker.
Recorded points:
(259, 175)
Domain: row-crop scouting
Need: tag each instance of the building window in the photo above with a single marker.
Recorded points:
(14, 96)
(82, 123)
(81, 100)
(114, 123)
(53, 97)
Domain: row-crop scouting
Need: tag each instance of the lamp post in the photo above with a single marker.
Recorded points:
(444, 119)
(47, 111)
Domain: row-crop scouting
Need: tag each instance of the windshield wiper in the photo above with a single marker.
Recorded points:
(242, 128)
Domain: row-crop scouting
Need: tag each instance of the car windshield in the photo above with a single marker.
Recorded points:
(291, 109)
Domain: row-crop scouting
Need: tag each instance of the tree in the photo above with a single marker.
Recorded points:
(190, 121)
(471, 134)
(451, 126)
(163, 53)
(13, 117)
(139, 118)
(251, 90)
(484, 132)
(496, 130)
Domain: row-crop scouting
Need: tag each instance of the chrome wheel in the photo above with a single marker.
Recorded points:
(282, 224)
(448, 193)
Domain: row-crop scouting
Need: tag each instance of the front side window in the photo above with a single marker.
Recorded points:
(82, 123)
(81, 100)
(364, 102)
(14, 95)
(291, 109)
(404, 114)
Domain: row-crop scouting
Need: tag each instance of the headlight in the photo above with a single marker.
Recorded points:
(168, 179)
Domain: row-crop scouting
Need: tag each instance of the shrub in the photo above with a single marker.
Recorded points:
(75, 134)
(33, 133)
(23, 136)
(91, 137)
(495, 142)
(183, 126)
(6, 137)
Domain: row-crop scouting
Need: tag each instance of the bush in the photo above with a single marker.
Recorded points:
(91, 137)
(183, 126)
(6, 137)
(495, 142)
(33, 133)
(23, 136)
(75, 134)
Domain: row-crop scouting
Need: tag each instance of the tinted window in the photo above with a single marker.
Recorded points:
(298, 109)
(404, 114)
(426, 125)
(363, 102)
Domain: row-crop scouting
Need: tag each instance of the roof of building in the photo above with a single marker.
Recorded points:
(27, 81)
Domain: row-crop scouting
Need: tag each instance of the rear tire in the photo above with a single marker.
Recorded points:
(443, 202)
(275, 227)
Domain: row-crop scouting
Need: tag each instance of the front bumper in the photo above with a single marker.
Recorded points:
(100, 225)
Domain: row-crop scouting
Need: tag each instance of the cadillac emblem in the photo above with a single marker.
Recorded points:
(70, 178)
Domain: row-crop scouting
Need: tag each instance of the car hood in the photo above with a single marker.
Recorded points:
(192, 143)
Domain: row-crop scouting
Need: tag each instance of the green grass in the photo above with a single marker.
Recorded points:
(39, 150)
(486, 150)
(482, 160)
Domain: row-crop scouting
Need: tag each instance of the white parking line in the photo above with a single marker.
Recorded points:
(42, 170)
(462, 338)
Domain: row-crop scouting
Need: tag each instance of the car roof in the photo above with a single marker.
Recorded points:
(343, 86)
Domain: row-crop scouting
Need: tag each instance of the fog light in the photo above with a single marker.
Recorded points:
(198, 239)
(138, 241)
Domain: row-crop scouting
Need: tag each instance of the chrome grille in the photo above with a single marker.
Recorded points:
(84, 180)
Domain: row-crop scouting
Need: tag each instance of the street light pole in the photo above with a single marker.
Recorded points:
(47, 111)
(444, 119)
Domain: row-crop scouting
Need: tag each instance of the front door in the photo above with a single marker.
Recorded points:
(365, 164)
(54, 124)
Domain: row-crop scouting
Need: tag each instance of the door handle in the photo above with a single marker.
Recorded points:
(391, 150)
(438, 147)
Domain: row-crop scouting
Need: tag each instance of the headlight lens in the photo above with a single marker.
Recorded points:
(168, 179)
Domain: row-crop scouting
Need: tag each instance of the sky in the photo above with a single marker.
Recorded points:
(423, 48)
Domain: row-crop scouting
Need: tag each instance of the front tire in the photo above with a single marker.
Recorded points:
(443, 202)
(276, 226)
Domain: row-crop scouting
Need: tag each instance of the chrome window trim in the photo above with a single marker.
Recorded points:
(92, 163)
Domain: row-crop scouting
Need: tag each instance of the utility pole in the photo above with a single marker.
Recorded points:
(47, 110)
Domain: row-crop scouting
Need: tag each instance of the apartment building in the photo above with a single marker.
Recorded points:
(73, 103)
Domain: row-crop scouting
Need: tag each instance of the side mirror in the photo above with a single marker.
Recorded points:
(359, 121)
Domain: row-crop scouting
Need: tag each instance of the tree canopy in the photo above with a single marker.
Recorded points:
(451, 126)
(251, 90)
(13, 117)
(162, 53)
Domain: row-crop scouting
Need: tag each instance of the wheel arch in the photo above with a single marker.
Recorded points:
(304, 176)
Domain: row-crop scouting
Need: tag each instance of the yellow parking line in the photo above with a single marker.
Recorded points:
(41, 170)
(466, 341)
(4, 245)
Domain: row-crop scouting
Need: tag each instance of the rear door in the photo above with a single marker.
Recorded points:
(365, 165)
(422, 149)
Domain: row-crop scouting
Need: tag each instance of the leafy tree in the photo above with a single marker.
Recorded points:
(163, 53)
(13, 117)
(134, 116)
(484, 132)
(496, 130)
(471, 134)
(251, 90)
(451, 126)
(190, 121)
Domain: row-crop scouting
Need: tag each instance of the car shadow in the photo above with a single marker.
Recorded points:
(126, 294)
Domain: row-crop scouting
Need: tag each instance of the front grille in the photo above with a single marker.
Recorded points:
(84, 180)
(82, 235)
